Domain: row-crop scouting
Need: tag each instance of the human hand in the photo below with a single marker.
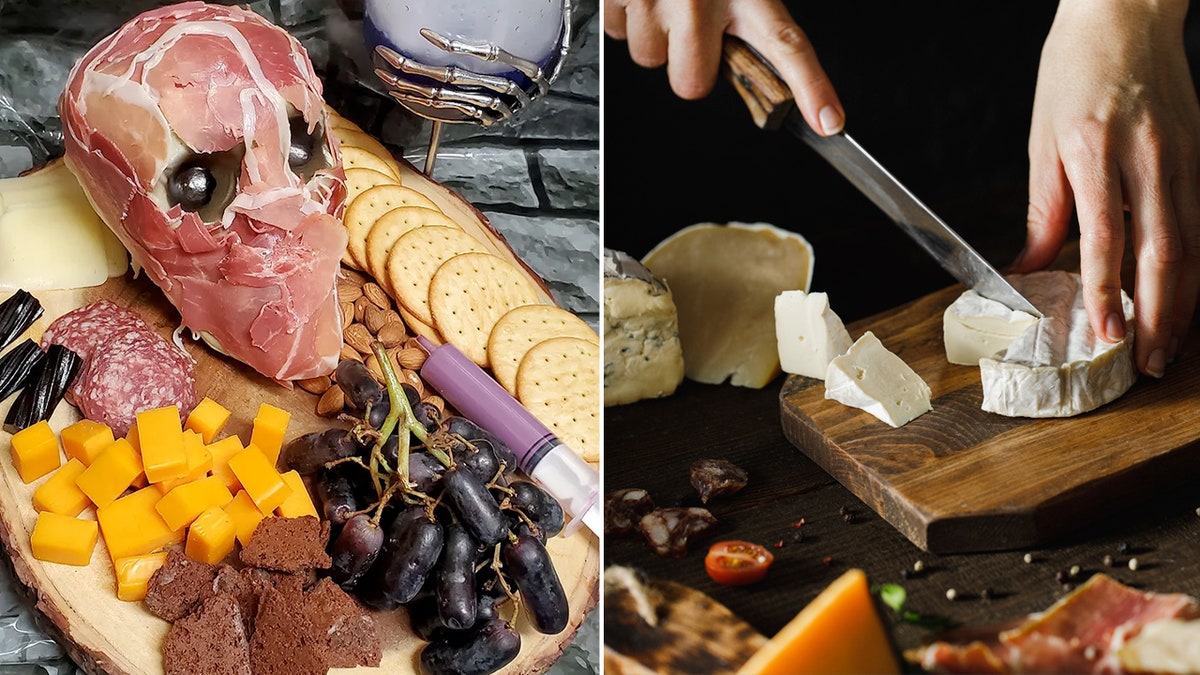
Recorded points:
(687, 35)
(1116, 125)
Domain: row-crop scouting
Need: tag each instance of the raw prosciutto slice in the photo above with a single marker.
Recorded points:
(222, 102)
(1081, 633)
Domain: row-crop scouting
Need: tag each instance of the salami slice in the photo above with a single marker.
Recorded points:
(83, 329)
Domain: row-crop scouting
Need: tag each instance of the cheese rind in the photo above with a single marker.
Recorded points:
(808, 333)
(870, 377)
(1058, 367)
(642, 355)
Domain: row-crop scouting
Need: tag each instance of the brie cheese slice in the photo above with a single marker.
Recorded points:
(642, 355)
(870, 377)
(808, 333)
(975, 327)
(1057, 367)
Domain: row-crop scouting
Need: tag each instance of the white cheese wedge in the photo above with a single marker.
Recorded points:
(975, 327)
(808, 333)
(1058, 367)
(724, 278)
(642, 355)
(870, 377)
(51, 237)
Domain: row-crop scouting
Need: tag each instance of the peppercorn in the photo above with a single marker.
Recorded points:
(1028, 558)
(1123, 547)
(1108, 561)
(951, 594)
(1074, 571)
(1133, 564)
(986, 594)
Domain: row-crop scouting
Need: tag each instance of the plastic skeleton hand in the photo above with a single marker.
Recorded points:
(453, 94)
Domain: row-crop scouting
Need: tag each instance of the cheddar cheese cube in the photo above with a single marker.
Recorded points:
(270, 425)
(245, 515)
(59, 494)
(85, 440)
(259, 478)
(180, 506)
(160, 437)
(134, 572)
(298, 503)
(208, 418)
(112, 471)
(221, 451)
(132, 526)
(35, 451)
(63, 539)
(199, 462)
(211, 536)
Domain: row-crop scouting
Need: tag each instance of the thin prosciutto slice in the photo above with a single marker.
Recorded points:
(256, 281)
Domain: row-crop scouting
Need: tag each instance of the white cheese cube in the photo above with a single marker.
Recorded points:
(808, 333)
(870, 377)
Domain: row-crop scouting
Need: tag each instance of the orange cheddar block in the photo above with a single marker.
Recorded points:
(259, 478)
(180, 506)
(160, 436)
(63, 539)
(35, 451)
(838, 632)
(112, 471)
(221, 451)
(134, 572)
(59, 494)
(270, 425)
(299, 503)
(131, 525)
(245, 515)
(211, 536)
(85, 440)
(199, 462)
(208, 418)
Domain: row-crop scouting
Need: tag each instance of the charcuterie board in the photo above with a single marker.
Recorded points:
(958, 479)
(106, 635)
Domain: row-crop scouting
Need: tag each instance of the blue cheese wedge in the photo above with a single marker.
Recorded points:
(870, 377)
(642, 355)
(1058, 367)
(808, 333)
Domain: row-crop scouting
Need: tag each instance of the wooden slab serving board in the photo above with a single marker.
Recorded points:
(106, 635)
(958, 479)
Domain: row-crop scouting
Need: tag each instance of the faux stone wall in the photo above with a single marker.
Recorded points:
(535, 177)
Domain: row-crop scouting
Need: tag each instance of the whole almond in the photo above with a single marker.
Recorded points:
(414, 379)
(358, 337)
(332, 402)
(394, 317)
(374, 368)
(348, 291)
(392, 334)
(411, 358)
(411, 343)
(347, 314)
(374, 318)
(316, 385)
(360, 308)
(377, 295)
(349, 352)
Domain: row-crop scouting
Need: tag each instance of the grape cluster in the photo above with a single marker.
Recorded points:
(429, 512)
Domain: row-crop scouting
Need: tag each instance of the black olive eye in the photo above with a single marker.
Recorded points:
(301, 151)
(191, 187)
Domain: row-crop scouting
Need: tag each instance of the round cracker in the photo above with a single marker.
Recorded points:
(522, 328)
(367, 207)
(469, 293)
(355, 157)
(559, 382)
(357, 138)
(416, 257)
(360, 179)
(390, 227)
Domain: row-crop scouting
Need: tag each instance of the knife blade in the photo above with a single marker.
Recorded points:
(772, 107)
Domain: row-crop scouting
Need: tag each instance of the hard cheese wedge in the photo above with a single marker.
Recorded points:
(838, 633)
(724, 279)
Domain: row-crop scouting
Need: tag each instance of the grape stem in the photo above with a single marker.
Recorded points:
(399, 407)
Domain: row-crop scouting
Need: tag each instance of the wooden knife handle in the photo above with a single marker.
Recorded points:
(763, 92)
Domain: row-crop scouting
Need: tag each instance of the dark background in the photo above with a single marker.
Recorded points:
(940, 93)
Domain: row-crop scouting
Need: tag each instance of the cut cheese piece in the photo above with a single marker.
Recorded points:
(724, 279)
(808, 333)
(839, 632)
(642, 355)
(1058, 367)
(870, 377)
(975, 327)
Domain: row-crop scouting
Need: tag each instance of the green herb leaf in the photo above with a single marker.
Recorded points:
(893, 595)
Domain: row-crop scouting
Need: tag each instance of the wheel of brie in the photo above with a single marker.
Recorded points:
(1055, 366)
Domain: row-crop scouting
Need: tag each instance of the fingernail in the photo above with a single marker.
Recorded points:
(1156, 363)
(831, 120)
(1114, 328)
(1173, 350)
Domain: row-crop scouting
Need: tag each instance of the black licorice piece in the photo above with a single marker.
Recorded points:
(16, 315)
(17, 365)
(44, 389)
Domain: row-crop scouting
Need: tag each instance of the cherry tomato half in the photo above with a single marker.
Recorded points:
(737, 563)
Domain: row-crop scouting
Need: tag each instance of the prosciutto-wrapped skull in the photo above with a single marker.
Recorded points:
(198, 134)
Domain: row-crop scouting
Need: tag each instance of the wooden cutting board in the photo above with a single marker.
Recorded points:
(958, 479)
(106, 635)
